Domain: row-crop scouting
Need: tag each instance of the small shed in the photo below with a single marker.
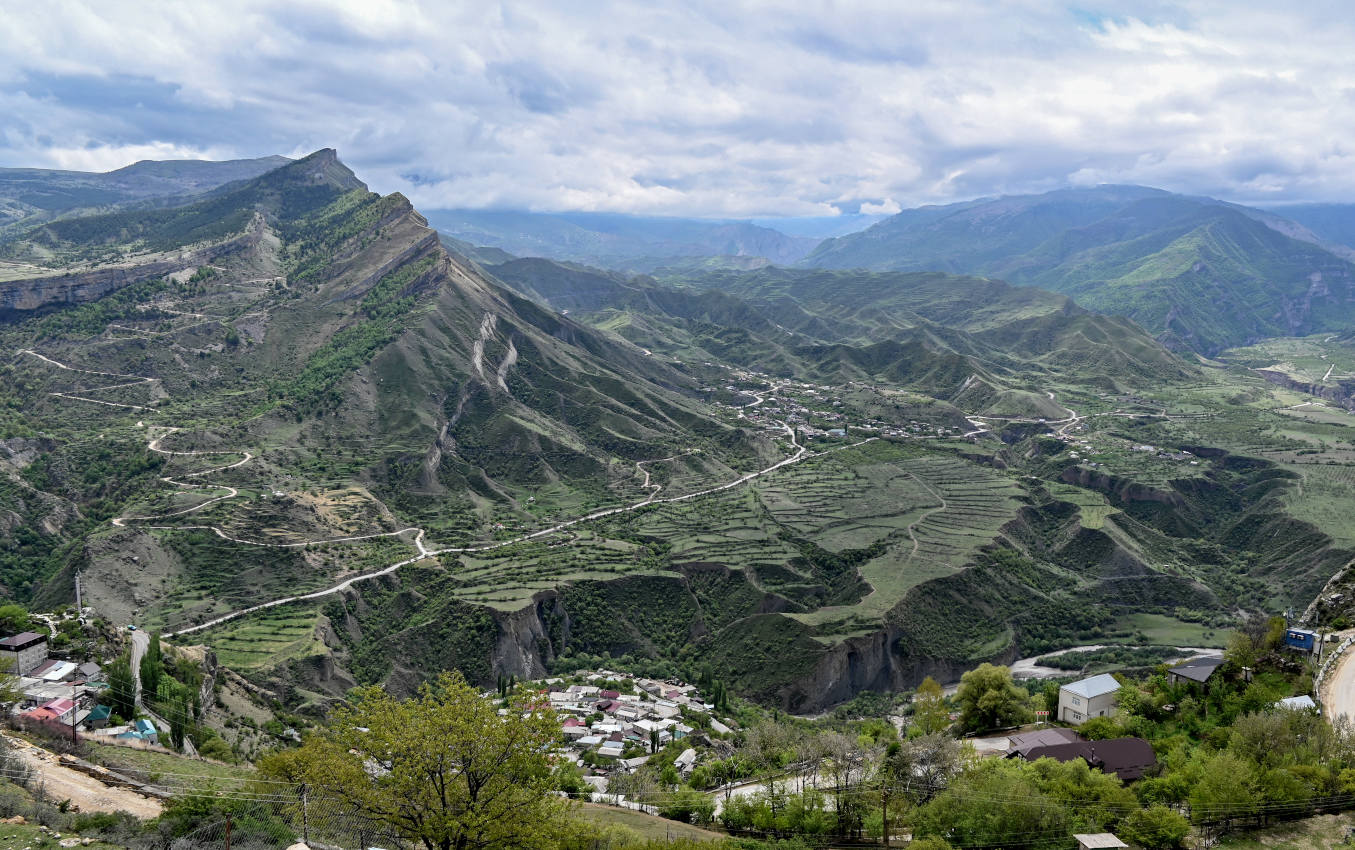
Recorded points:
(1195, 672)
(1300, 639)
(1097, 841)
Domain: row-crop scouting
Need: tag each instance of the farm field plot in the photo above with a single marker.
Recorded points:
(1324, 496)
(1092, 506)
(265, 638)
(1162, 630)
(507, 578)
(971, 505)
(217, 576)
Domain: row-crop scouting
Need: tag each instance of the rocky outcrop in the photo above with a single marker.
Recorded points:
(1342, 393)
(28, 294)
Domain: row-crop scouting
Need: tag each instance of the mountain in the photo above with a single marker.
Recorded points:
(619, 241)
(1200, 274)
(944, 334)
(28, 195)
(283, 419)
(1330, 222)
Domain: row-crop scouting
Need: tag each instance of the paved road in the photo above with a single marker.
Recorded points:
(140, 643)
(1339, 696)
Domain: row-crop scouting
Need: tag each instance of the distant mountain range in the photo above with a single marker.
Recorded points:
(1198, 273)
(31, 195)
(628, 243)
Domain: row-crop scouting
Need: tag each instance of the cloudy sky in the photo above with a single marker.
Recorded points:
(719, 109)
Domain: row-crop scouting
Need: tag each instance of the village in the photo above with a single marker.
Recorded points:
(62, 696)
(807, 408)
(612, 722)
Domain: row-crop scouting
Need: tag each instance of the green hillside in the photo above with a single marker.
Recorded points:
(1197, 274)
(814, 481)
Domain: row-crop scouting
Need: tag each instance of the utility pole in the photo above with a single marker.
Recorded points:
(228, 831)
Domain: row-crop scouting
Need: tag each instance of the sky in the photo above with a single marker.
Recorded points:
(710, 109)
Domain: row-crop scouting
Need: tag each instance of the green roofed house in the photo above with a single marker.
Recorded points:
(98, 717)
(1092, 697)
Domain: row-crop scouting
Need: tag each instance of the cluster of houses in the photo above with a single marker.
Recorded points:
(612, 721)
(780, 407)
(51, 690)
(1095, 696)
(61, 694)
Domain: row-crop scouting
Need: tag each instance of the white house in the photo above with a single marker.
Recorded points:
(1092, 697)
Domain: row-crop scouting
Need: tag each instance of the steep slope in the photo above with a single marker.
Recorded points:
(389, 380)
(1199, 274)
(1330, 222)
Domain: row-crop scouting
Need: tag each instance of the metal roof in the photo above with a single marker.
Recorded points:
(1098, 840)
(21, 640)
(1094, 686)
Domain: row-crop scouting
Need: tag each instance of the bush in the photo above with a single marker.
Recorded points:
(1156, 828)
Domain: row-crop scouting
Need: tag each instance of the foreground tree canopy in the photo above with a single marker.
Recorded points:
(442, 769)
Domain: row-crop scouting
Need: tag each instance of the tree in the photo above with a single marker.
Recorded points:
(442, 769)
(929, 707)
(13, 618)
(1226, 789)
(121, 693)
(988, 804)
(1156, 828)
(176, 724)
(988, 699)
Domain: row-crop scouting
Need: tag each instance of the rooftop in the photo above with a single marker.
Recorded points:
(1098, 840)
(1198, 671)
(21, 640)
(1094, 686)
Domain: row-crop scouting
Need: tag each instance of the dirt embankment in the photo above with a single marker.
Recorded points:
(89, 794)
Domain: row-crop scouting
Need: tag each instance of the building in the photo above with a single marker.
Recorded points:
(98, 717)
(1127, 758)
(1303, 703)
(1195, 672)
(1098, 841)
(1088, 698)
(1301, 639)
(23, 652)
(1020, 745)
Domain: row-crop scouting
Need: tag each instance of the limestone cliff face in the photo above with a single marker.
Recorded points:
(1343, 393)
(28, 294)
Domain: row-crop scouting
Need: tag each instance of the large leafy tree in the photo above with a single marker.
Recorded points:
(988, 699)
(443, 769)
(929, 707)
(121, 693)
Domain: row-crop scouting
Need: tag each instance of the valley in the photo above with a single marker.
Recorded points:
(338, 453)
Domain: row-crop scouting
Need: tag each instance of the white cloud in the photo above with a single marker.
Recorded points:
(698, 108)
(110, 157)
(887, 207)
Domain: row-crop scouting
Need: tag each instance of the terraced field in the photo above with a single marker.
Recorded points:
(1092, 506)
(265, 639)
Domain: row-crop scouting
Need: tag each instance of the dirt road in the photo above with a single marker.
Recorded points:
(91, 795)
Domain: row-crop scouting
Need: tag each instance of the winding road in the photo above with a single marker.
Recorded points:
(424, 552)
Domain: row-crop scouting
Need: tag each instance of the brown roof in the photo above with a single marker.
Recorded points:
(1019, 744)
(21, 640)
(1127, 758)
